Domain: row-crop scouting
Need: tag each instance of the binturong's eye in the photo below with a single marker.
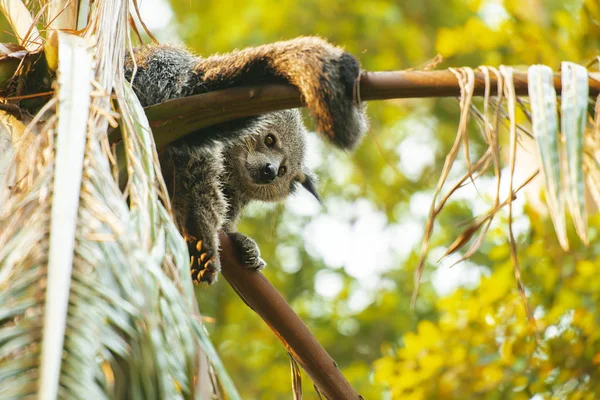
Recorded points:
(282, 170)
(270, 140)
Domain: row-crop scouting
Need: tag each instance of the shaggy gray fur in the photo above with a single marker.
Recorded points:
(213, 175)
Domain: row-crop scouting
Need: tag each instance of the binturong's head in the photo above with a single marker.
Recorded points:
(268, 163)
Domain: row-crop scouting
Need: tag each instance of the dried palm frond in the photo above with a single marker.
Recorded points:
(574, 115)
(95, 298)
(570, 155)
(22, 24)
(545, 129)
(511, 100)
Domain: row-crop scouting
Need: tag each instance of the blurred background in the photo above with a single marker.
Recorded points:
(347, 266)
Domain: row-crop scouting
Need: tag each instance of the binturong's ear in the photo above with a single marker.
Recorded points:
(309, 182)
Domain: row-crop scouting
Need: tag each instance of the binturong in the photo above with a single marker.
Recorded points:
(213, 174)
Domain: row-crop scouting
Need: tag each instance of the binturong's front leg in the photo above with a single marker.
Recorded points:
(247, 251)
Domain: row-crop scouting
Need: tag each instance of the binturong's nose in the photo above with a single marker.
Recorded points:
(269, 173)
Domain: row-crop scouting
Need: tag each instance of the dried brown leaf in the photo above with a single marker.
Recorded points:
(448, 163)
(296, 378)
(507, 74)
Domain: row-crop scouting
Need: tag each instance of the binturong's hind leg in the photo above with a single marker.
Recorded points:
(199, 204)
(204, 258)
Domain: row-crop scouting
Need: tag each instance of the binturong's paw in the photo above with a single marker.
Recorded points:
(204, 260)
(247, 251)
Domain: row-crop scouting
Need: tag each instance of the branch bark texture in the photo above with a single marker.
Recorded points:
(176, 118)
(256, 291)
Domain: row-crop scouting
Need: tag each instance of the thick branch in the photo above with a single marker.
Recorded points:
(176, 118)
(265, 300)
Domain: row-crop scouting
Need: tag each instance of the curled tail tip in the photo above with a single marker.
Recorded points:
(351, 122)
(347, 132)
(347, 114)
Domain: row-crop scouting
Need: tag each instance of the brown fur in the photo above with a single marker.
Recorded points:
(212, 176)
(324, 74)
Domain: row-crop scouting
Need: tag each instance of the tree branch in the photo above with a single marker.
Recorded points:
(176, 118)
(256, 291)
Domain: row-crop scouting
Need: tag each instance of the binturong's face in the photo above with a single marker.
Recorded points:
(269, 163)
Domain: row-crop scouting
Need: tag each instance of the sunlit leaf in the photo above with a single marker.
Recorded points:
(22, 23)
(75, 77)
(574, 105)
(542, 97)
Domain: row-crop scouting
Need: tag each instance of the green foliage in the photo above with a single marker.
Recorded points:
(474, 342)
(481, 342)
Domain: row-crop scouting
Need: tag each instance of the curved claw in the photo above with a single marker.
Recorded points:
(248, 251)
(204, 265)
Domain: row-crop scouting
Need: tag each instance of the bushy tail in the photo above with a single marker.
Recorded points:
(324, 74)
